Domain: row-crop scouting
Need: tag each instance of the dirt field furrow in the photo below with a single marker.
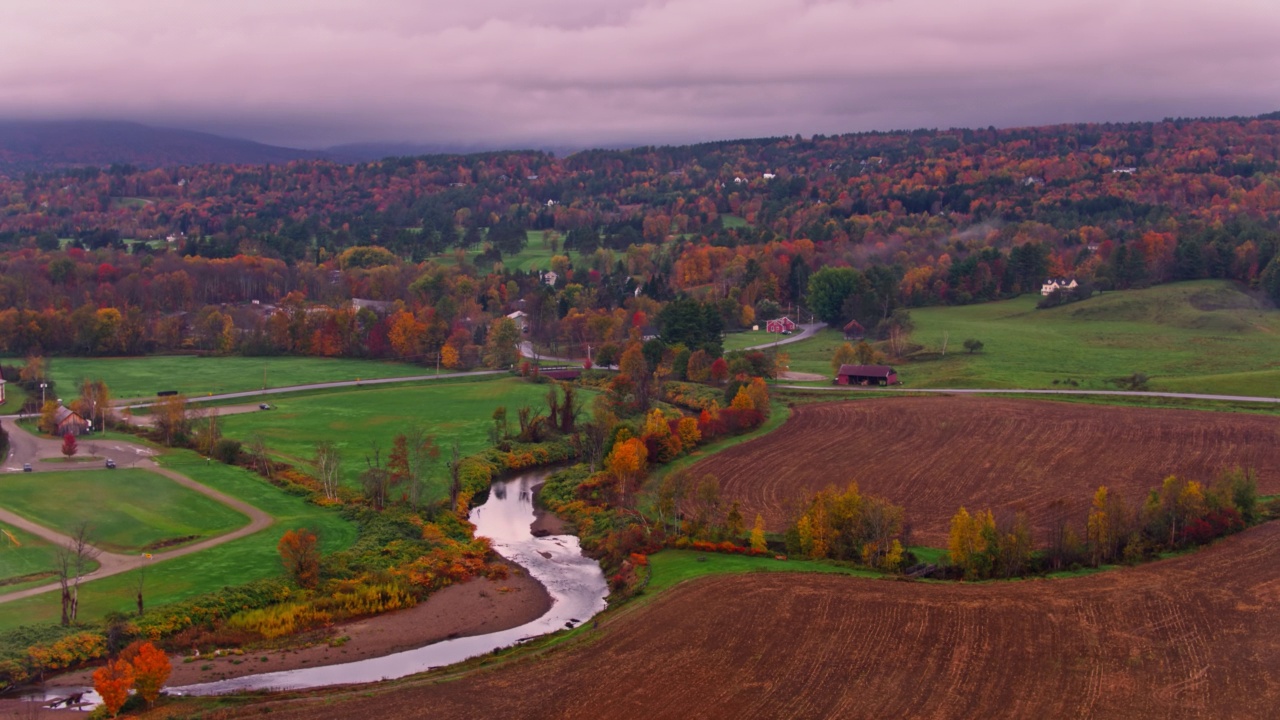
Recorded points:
(933, 455)
(1188, 637)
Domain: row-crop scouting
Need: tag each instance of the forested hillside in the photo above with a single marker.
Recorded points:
(175, 257)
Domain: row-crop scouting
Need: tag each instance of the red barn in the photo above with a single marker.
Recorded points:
(866, 375)
(781, 325)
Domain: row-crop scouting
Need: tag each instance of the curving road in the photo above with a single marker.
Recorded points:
(27, 448)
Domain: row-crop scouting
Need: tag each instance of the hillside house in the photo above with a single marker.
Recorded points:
(69, 422)
(550, 277)
(1057, 284)
(521, 319)
(780, 325)
(854, 331)
(866, 375)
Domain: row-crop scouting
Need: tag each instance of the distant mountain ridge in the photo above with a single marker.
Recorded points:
(53, 145)
(41, 146)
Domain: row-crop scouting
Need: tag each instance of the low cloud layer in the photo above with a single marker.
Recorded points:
(583, 72)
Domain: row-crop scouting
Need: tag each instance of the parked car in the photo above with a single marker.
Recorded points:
(26, 467)
(263, 406)
(111, 464)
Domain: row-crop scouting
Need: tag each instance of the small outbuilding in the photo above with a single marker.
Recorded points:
(69, 422)
(866, 375)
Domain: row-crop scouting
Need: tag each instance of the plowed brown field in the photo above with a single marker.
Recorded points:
(1189, 637)
(932, 455)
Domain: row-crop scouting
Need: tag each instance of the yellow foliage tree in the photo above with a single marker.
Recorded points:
(843, 356)
(655, 424)
(689, 433)
(757, 535)
(449, 357)
(742, 401)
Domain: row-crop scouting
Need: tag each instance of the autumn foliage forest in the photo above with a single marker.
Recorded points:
(266, 259)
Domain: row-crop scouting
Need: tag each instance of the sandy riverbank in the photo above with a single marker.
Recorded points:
(475, 607)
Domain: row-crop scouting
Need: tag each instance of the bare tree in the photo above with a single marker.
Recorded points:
(328, 464)
(71, 562)
(423, 451)
(258, 449)
(376, 479)
(142, 579)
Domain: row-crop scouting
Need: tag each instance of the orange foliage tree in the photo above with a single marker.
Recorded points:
(151, 669)
(300, 553)
(627, 463)
(112, 682)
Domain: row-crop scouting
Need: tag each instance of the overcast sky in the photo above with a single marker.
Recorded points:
(586, 72)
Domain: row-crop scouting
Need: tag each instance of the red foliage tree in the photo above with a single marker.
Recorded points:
(69, 445)
(300, 553)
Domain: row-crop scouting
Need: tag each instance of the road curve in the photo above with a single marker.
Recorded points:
(1008, 391)
(29, 448)
(807, 331)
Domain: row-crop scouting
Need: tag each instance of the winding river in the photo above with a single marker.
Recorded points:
(576, 584)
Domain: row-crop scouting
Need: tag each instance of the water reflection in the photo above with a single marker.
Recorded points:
(576, 584)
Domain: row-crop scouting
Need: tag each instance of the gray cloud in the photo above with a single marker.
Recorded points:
(316, 72)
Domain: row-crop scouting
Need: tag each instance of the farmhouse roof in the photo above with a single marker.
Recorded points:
(63, 412)
(866, 370)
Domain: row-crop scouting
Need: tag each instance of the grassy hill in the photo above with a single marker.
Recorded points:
(1203, 336)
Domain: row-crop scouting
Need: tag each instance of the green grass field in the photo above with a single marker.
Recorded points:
(750, 338)
(234, 563)
(535, 255)
(671, 567)
(353, 419)
(31, 556)
(142, 377)
(1203, 336)
(127, 510)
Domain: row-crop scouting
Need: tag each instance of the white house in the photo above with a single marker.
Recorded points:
(521, 319)
(1057, 284)
(550, 277)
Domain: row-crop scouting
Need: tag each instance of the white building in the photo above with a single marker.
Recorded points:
(1057, 284)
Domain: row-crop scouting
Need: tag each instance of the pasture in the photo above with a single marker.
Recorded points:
(932, 455)
(536, 255)
(233, 563)
(31, 558)
(142, 377)
(355, 418)
(1190, 636)
(127, 510)
(1204, 336)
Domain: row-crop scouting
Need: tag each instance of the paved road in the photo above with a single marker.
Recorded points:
(26, 447)
(981, 391)
(807, 331)
(526, 350)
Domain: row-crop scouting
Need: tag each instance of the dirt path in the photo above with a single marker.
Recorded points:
(29, 448)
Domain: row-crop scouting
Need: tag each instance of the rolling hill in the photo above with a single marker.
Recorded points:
(27, 146)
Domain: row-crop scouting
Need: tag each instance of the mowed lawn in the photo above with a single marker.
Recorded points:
(143, 377)
(234, 563)
(535, 255)
(355, 419)
(30, 556)
(1203, 336)
(127, 510)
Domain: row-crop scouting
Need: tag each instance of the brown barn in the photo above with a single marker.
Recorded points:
(866, 375)
(69, 422)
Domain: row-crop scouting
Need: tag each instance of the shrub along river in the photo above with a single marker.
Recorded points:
(575, 582)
